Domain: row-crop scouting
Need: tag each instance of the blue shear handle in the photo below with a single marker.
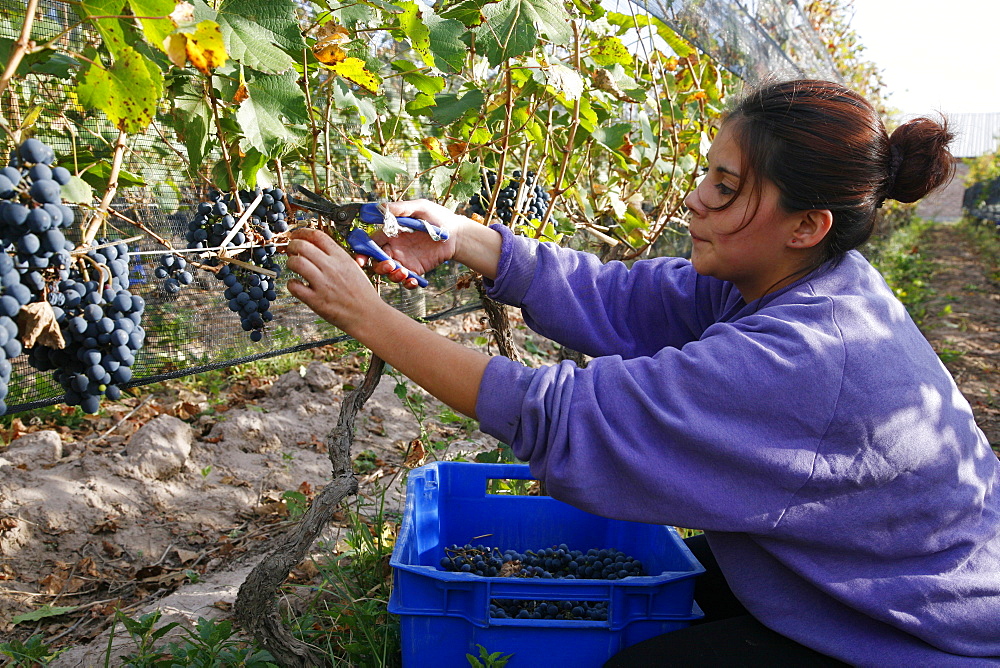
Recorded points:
(361, 243)
(371, 215)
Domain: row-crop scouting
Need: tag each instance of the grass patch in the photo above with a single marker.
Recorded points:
(900, 260)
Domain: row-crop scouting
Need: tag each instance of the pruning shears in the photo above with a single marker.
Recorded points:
(345, 218)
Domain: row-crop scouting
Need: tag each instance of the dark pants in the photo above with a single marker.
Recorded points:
(727, 636)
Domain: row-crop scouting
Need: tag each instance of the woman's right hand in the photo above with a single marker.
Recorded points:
(468, 242)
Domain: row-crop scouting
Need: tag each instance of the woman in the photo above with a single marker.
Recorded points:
(772, 392)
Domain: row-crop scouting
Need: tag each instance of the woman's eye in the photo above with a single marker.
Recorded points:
(724, 189)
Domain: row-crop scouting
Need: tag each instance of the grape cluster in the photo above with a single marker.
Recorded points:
(506, 608)
(533, 203)
(13, 296)
(101, 323)
(32, 216)
(550, 562)
(249, 293)
(173, 270)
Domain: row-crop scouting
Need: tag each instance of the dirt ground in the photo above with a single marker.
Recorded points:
(91, 521)
(963, 321)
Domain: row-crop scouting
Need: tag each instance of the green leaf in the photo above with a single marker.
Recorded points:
(98, 173)
(112, 30)
(43, 613)
(128, 91)
(250, 165)
(273, 116)
(468, 12)
(416, 32)
(450, 107)
(610, 50)
(446, 42)
(77, 191)
(155, 29)
(612, 136)
(193, 122)
(385, 168)
(261, 34)
(513, 27)
(344, 98)
(424, 82)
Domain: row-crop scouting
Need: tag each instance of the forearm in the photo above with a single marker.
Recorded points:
(478, 248)
(448, 370)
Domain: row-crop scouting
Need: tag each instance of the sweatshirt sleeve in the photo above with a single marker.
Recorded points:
(667, 438)
(602, 309)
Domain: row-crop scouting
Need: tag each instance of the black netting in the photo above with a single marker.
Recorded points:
(982, 200)
(751, 38)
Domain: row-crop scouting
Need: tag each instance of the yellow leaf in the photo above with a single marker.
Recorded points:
(353, 69)
(205, 48)
(329, 54)
(176, 47)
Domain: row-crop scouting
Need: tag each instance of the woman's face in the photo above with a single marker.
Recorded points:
(746, 243)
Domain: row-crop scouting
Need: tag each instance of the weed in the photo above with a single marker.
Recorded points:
(949, 355)
(296, 502)
(365, 462)
(33, 652)
(346, 612)
(487, 660)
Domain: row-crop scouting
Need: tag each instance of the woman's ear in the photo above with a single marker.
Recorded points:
(812, 228)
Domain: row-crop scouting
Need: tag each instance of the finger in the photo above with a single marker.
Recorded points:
(307, 269)
(316, 237)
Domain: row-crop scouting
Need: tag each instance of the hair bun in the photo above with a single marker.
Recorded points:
(920, 160)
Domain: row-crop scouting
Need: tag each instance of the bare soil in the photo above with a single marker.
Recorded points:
(963, 321)
(87, 528)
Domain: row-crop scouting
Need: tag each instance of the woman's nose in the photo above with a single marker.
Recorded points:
(691, 202)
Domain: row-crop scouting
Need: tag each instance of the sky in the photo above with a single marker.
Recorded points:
(934, 55)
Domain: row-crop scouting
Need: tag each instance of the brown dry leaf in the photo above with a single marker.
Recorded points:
(225, 606)
(111, 549)
(242, 93)
(17, 429)
(107, 525)
(186, 556)
(52, 583)
(7, 572)
(185, 410)
(305, 488)
(7, 523)
(87, 566)
(37, 325)
(148, 572)
(417, 454)
(456, 149)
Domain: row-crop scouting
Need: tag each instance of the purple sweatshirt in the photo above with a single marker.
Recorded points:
(814, 435)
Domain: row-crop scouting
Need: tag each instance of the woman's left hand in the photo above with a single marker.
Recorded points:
(332, 284)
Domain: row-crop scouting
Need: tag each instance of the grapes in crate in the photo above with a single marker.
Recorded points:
(517, 202)
(549, 562)
(248, 293)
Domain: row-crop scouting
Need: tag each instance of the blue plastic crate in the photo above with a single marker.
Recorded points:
(444, 615)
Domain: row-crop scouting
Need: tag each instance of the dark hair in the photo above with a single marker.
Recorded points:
(825, 147)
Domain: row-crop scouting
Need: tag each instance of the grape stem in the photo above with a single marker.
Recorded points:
(240, 223)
